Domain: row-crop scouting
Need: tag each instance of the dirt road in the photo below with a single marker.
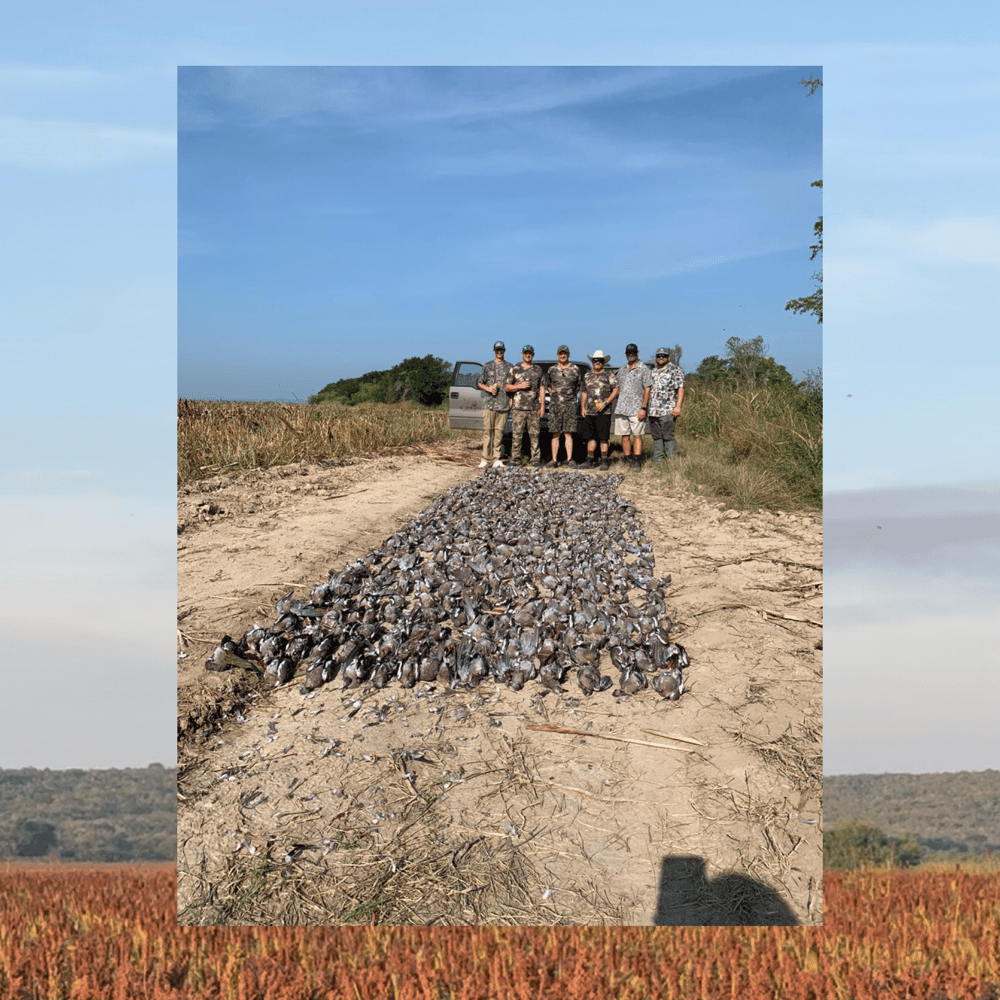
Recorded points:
(435, 806)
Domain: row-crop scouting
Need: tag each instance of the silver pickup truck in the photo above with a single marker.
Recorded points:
(465, 405)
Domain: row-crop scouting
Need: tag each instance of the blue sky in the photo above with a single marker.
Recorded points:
(88, 159)
(337, 220)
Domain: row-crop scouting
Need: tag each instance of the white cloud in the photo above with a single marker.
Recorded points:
(34, 143)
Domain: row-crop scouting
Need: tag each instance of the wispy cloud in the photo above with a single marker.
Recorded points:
(50, 78)
(72, 145)
(395, 96)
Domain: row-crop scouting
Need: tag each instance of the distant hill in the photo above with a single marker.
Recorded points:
(127, 814)
(952, 811)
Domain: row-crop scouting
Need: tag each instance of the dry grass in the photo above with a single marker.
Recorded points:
(215, 437)
(753, 448)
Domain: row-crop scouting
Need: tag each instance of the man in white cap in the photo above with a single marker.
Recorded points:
(495, 405)
(600, 390)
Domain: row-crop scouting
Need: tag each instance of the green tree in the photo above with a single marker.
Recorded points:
(812, 303)
(35, 838)
(854, 844)
(744, 358)
(424, 380)
(713, 369)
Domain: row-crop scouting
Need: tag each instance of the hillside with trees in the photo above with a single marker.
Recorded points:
(421, 380)
(127, 814)
(951, 814)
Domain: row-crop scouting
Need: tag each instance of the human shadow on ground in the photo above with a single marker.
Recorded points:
(687, 898)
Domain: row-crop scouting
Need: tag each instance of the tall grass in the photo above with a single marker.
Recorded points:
(214, 437)
(752, 447)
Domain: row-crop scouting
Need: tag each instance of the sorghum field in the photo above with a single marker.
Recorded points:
(111, 933)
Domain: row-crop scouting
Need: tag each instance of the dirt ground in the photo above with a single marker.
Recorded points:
(433, 806)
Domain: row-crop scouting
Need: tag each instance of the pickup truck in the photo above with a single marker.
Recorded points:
(465, 407)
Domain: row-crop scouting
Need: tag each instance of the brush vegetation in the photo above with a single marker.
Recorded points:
(752, 446)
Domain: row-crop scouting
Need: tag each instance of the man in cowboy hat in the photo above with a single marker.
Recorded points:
(600, 390)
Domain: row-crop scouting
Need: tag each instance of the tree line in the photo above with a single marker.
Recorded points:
(421, 380)
(126, 814)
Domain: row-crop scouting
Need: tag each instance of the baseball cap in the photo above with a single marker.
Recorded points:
(527, 349)
(561, 348)
(631, 349)
(499, 346)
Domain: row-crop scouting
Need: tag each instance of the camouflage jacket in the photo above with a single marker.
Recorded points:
(525, 399)
(598, 386)
(563, 385)
(495, 373)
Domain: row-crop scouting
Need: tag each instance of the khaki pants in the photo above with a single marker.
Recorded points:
(532, 420)
(493, 424)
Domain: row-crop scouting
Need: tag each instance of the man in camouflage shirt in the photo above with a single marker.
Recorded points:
(528, 406)
(665, 401)
(495, 405)
(600, 389)
(563, 382)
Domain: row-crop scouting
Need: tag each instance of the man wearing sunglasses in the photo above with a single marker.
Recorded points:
(665, 400)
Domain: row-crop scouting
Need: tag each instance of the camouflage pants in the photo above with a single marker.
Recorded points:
(519, 420)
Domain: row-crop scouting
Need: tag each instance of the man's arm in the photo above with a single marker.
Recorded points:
(677, 405)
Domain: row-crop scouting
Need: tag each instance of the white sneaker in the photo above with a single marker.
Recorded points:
(483, 464)
(498, 464)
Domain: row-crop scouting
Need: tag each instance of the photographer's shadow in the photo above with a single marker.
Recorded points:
(688, 899)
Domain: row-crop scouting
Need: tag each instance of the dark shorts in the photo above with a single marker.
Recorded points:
(562, 418)
(597, 426)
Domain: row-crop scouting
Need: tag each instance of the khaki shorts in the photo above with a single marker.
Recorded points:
(630, 425)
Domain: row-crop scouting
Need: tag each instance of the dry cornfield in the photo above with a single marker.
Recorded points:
(219, 437)
(112, 932)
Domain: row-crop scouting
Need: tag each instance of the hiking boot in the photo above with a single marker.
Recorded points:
(483, 464)
(536, 465)
(591, 463)
(550, 464)
(571, 464)
(498, 464)
(604, 465)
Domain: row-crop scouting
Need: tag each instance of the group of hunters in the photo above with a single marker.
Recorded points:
(648, 401)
